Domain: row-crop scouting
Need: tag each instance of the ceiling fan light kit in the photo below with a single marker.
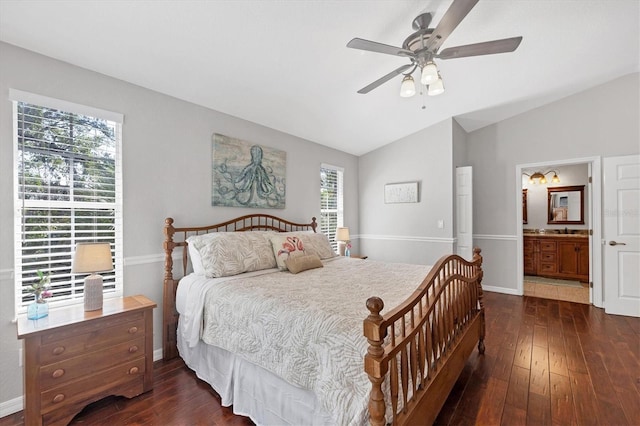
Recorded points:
(408, 87)
(429, 73)
(423, 46)
(436, 88)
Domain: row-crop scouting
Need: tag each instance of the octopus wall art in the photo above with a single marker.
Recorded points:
(247, 175)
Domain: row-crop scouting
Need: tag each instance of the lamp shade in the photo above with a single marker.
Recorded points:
(436, 88)
(408, 87)
(91, 258)
(342, 234)
(429, 74)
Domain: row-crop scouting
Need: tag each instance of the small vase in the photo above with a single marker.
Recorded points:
(347, 252)
(37, 309)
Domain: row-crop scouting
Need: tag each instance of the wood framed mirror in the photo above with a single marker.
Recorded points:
(565, 205)
(524, 206)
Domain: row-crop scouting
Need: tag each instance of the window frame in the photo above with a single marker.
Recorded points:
(339, 210)
(21, 206)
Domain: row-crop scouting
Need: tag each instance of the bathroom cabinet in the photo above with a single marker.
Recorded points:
(557, 256)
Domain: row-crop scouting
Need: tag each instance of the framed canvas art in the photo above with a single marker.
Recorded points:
(406, 192)
(246, 174)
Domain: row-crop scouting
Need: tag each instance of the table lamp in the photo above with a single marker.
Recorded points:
(342, 236)
(92, 258)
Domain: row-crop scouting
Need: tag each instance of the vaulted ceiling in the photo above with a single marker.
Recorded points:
(285, 64)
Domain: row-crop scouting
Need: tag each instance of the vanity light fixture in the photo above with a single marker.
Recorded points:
(542, 177)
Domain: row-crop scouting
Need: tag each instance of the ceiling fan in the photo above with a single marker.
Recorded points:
(422, 47)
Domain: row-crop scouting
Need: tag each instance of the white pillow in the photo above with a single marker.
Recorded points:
(194, 256)
(230, 253)
(317, 243)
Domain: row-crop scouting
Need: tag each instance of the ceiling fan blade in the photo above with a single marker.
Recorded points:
(451, 19)
(373, 46)
(486, 48)
(384, 79)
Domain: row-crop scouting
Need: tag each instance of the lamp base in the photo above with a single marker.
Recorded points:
(341, 247)
(93, 292)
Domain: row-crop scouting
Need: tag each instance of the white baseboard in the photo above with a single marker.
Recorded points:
(157, 355)
(12, 406)
(513, 291)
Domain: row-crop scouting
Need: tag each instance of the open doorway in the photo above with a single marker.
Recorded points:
(559, 213)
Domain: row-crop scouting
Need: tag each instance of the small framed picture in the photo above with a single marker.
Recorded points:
(405, 192)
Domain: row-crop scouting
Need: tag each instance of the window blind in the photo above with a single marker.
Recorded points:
(68, 189)
(331, 201)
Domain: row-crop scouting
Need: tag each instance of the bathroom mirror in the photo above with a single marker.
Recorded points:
(565, 205)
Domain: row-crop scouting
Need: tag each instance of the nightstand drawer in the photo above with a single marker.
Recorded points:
(76, 391)
(81, 366)
(101, 336)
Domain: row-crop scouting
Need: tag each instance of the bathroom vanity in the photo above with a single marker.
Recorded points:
(563, 256)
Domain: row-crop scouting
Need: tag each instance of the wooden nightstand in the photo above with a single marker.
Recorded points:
(358, 256)
(73, 357)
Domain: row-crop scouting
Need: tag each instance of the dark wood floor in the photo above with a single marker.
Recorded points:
(546, 362)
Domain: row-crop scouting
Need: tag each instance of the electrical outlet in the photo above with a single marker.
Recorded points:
(441, 224)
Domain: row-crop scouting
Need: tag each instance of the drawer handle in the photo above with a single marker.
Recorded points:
(58, 398)
(133, 349)
(133, 370)
(58, 350)
(133, 330)
(58, 373)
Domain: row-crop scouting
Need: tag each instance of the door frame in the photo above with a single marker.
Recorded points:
(595, 223)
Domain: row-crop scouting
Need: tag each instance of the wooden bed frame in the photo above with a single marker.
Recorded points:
(420, 346)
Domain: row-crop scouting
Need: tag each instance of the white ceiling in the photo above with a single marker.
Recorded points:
(284, 64)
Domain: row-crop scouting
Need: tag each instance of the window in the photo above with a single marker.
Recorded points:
(68, 189)
(331, 201)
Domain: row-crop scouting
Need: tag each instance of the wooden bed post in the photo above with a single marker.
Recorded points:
(477, 257)
(373, 365)
(169, 314)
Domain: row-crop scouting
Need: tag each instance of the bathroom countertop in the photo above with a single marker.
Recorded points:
(549, 235)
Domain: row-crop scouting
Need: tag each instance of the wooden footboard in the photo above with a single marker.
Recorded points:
(422, 345)
(176, 237)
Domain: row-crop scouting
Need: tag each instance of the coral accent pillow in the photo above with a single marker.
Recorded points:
(285, 246)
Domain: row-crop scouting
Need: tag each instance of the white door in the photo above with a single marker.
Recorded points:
(464, 211)
(622, 235)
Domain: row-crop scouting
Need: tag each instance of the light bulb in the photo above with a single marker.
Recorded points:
(436, 87)
(429, 74)
(543, 180)
(408, 87)
(555, 178)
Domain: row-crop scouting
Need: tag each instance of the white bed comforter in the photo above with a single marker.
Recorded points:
(306, 328)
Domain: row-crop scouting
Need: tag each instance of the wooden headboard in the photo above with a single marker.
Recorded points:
(252, 222)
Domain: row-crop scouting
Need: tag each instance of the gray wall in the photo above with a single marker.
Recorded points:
(408, 232)
(166, 161)
(602, 121)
